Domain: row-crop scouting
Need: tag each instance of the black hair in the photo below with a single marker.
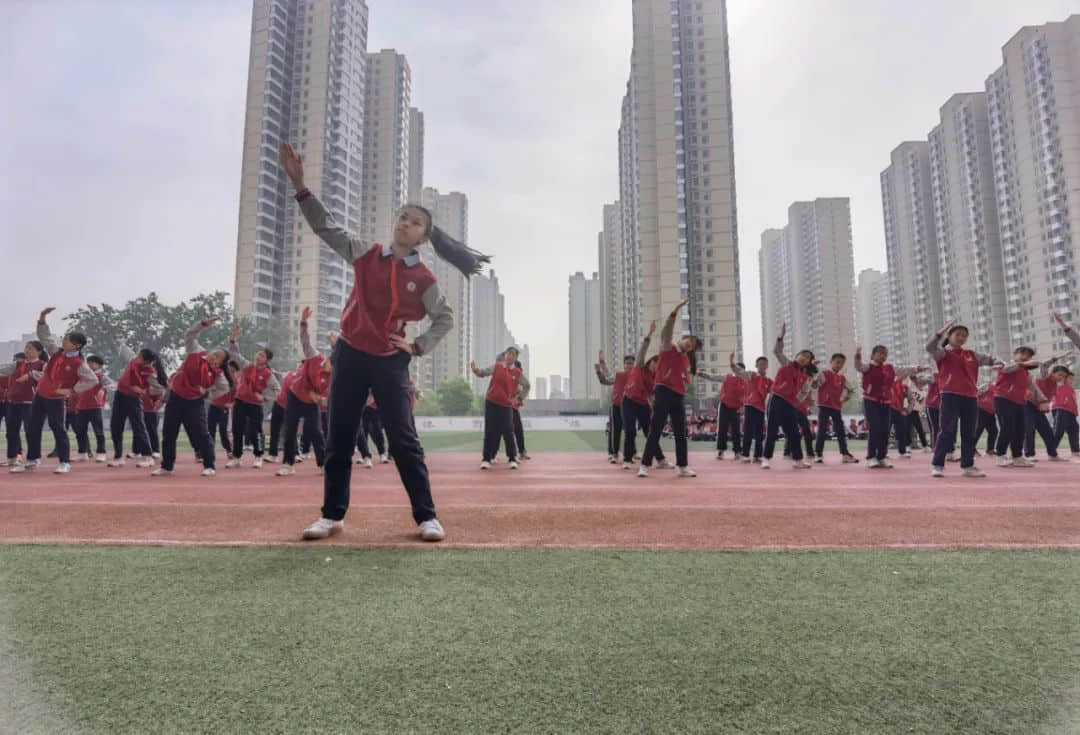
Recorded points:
(809, 352)
(760, 359)
(651, 360)
(692, 354)
(20, 356)
(954, 328)
(76, 338)
(228, 375)
(269, 353)
(877, 348)
(147, 355)
(1025, 348)
(96, 358)
(36, 344)
(836, 355)
(740, 366)
(629, 358)
(1060, 369)
(456, 253)
(162, 375)
(810, 369)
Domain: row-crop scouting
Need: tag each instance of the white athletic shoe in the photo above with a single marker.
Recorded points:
(643, 471)
(848, 459)
(746, 460)
(367, 463)
(627, 465)
(719, 455)
(873, 464)
(79, 458)
(686, 472)
(22, 467)
(323, 528)
(232, 463)
(801, 465)
(270, 459)
(927, 450)
(62, 469)
(384, 459)
(145, 462)
(513, 464)
(494, 460)
(161, 472)
(974, 472)
(664, 465)
(286, 471)
(905, 455)
(208, 472)
(132, 455)
(1023, 463)
(485, 465)
(156, 455)
(257, 464)
(765, 464)
(819, 460)
(432, 530)
(1006, 462)
(937, 472)
(101, 458)
(1032, 459)
(613, 459)
(951, 457)
(886, 464)
(117, 462)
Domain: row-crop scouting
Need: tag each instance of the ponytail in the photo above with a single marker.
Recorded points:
(693, 361)
(457, 254)
(162, 376)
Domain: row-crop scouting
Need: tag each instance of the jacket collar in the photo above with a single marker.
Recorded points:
(409, 260)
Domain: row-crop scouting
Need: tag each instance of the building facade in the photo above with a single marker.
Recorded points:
(386, 143)
(585, 332)
(874, 320)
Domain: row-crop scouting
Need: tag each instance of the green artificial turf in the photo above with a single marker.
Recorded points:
(327, 640)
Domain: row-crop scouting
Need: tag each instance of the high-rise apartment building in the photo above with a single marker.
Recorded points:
(677, 173)
(416, 154)
(557, 393)
(489, 333)
(874, 320)
(619, 328)
(1033, 103)
(586, 338)
(450, 358)
(966, 223)
(911, 248)
(775, 287)
(306, 85)
(540, 389)
(386, 143)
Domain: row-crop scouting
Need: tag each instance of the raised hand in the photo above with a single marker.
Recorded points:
(783, 332)
(941, 332)
(211, 320)
(1061, 322)
(679, 306)
(652, 328)
(601, 355)
(293, 164)
(235, 332)
(45, 312)
(305, 314)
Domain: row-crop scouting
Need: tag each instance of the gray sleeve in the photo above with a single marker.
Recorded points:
(108, 383)
(273, 387)
(523, 388)
(191, 338)
(985, 360)
(441, 316)
(709, 377)
(860, 366)
(778, 350)
(483, 372)
(88, 379)
(602, 375)
(933, 346)
(219, 388)
(642, 352)
(323, 224)
(234, 354)
(7, 368)
(305, 343)
(154, 388)
(1012, 367)
(46, 338)
(667, 334)
(1073, 336)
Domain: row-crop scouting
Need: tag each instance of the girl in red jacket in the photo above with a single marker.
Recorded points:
(306, 392)
(1064, 408)
(220, 407)
(257, 382)
(21, 388)
(499, 406)
(790, 387)
(637, 403)
(391, 288)
(618, 389)
(88, 410)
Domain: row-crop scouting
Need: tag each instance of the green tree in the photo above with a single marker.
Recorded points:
(455, 397)
(429, 405)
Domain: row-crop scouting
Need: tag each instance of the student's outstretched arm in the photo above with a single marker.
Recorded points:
(860, 366)
(44, 335)
(601, 371)
(305, 336)
(191, 336)
(644, 349)
(234, 348)
(744, 374)
(321, 221)
(778, 348)
(483, 372)
(718, 378)
(933, 345)
(1070, 330)
(667, 334)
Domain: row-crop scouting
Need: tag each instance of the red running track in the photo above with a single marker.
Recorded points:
(569, 500)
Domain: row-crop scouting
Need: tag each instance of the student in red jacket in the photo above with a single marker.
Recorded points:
(618, 389)
(637, 402)
(1064, 408)
(140, 377)
(1036, 412)
(676, 366)
(256, 383)
(499, 406)
(305, 394)
(152, 402)
(758, 388)
(728, 407)
(64, 373)
(519, 401)
(277, 413)
(198, 378)
(898, 409)
(832, 392)
(21, 388)
(1011, 388)
(878, 377)
(391, 288)
(959, 369)
(790, 387)
(220, 406)
(88, 411)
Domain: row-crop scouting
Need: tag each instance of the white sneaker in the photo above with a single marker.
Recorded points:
(686, 472)
(145, 462)
(1006, 462)
(513, 464)
(664, 465)
(232, 463)
(323, 528)
(974, 472)
(643, 471)
(937, 472)
(386, 460)
(905, 455)
(432, 530)
(848, 459)
(132, 455)
(627, 466)
(101, 458)
(927, 450)
(367, 463)
(286, 471)
(79, 458)
(819, 460)
(208, 472)
(801, 465)
(270, 459)
(161, 472)
(746, 460)
(1032, 459)
(485, 465)
(117, 462)
(613, 460)
(22, 467)
(873, 464)
(257, 464)
(156, 455)
(62, 469)
(765, 464)
(494, 460)
(1023, 463)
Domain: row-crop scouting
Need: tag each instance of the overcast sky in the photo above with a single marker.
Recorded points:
(123, 122)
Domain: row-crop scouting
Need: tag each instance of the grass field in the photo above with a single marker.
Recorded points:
(228, 640)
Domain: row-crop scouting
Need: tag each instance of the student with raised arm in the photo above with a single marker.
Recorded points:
(675, 367)
(22, 385)
(220, 407)
(832, 392)
(1036, 413)
(728, 406)
(618, 390)
(305, 393)
(277, 412)
(1011, 388)
(758, 388)
(198, 378)
(637, 402)
(391, 289)
(64, 373)
(1064, 407)
(499, 406)
(878, 377)
(257, 382)
(88, 410)
(959, 369)
(790, 386)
